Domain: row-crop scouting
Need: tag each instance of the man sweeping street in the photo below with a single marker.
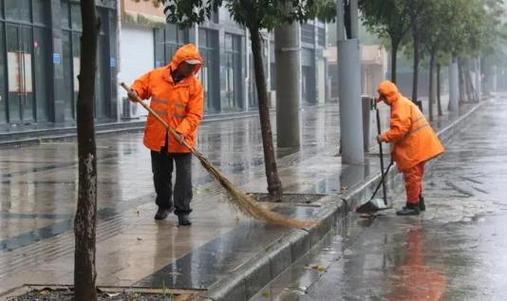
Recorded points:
(413, 144)
(177, 96)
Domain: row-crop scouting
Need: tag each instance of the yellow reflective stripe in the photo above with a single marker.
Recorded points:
(417, 129)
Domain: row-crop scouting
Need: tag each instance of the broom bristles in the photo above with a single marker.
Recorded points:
(240, 200)
(248, 205)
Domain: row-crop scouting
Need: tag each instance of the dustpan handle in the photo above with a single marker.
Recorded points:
(384, 191)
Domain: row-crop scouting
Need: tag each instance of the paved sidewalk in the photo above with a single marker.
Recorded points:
(38, 192)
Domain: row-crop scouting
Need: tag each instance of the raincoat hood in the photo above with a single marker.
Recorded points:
(389, 90)
(184, 53)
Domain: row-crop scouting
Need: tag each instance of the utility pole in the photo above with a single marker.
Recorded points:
(288, 85)
(349, 85)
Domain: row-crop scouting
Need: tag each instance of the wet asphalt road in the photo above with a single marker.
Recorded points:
(456, 250)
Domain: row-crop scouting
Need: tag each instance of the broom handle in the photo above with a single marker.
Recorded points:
(379, 130)
(164, 123)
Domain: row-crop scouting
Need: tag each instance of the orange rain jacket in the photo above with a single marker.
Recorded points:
(413, 139)
(179, 104)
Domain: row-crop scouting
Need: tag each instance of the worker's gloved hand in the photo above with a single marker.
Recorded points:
(379, 139)
(179, 138)
(132, 95)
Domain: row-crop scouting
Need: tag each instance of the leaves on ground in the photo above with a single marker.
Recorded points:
(317, 267)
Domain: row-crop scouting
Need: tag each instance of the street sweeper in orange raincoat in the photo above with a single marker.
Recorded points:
(413, 144)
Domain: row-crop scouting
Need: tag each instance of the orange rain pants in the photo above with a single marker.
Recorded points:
(413, 182)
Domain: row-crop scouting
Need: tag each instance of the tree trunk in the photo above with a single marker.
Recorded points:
(461, 77)
(416, 62)
(431, 86)
(85, 221)
(439, 101)
(394, 55)
(468, 82)
(466, 72)
(474, 89)
(274, 183)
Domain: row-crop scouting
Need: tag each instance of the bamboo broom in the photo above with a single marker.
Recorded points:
(239, 199)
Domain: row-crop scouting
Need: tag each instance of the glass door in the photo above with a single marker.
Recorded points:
(3, 77)
(101, 102)
(19, 69)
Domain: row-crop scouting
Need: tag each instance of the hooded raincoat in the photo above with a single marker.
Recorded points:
(179, 104)
(413, 140)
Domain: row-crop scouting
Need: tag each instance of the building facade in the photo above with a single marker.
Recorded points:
(228, 73)
(40, 52)
(39, 61)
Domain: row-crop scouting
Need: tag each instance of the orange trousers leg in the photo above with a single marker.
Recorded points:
(413, 182)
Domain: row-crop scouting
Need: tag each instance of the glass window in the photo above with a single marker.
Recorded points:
(232, 73)
(271, 51)
(208, 39)
(75, 11)
(228, 42)
(273, 76)
(67, 62)
(171, 32)
(182, 36)
(3, 98)
(76, 63)
(167, 40)
(202, 37)
(159, 47)
(307, 34)
(26, 70)
(103, 65)
(18, 10)
(39, 9)
(41, 56)
(252, 88)
(321, 36)
(14, 60)
(65, 14)
(103, 16)
(101, 105)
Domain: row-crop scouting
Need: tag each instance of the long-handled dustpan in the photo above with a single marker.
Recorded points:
(374, 204)
(239, 199)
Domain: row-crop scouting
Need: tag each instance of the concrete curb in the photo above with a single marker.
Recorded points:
(264, 267)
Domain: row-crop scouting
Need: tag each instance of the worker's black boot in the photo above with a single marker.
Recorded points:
(422, 206)
(162, 213)
(183, 220)
(409, 209)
